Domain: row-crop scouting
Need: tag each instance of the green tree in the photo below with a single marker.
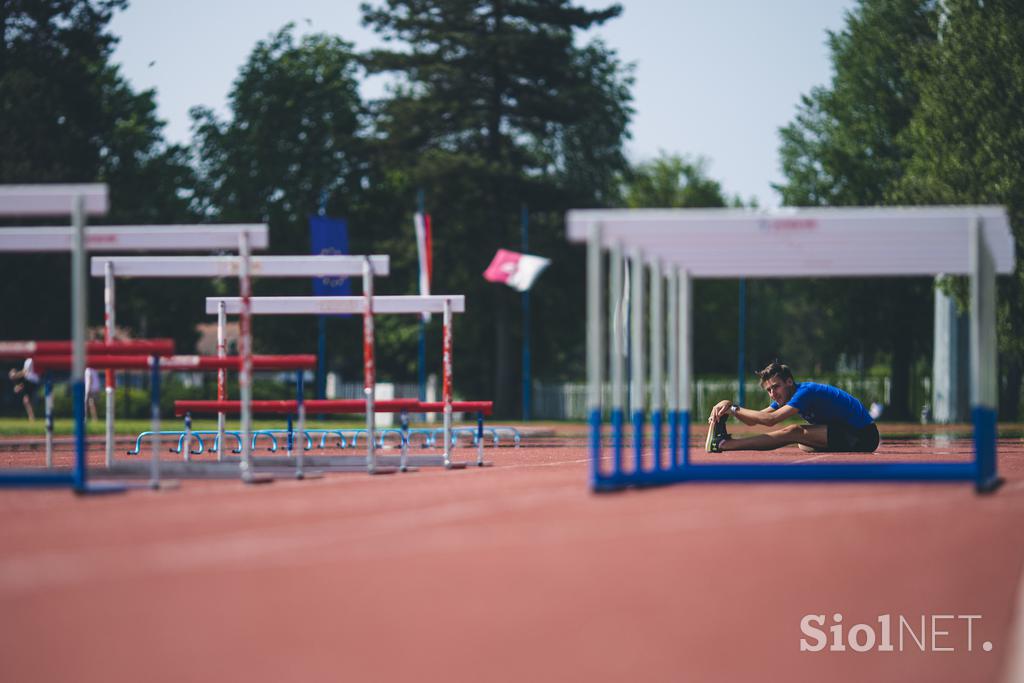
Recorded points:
(967, 137)
(846, 147)
(293, 144)
(497, 107)
(673, 181)
(67, 115)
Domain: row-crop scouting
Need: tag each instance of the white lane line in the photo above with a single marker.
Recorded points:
(813, 458)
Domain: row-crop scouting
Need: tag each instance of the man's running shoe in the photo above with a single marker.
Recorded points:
(717, 434)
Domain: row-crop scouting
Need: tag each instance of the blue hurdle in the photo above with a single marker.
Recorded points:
(692, 243)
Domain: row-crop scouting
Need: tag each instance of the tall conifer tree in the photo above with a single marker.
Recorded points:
(497, 107)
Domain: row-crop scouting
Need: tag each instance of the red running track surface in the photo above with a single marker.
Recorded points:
(510, 573)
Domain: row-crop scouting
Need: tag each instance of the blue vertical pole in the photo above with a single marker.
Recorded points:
(524, 227)
(321, 358)
(321, 337)
(78, 399)
(422, 357)
(741, 397)
(300, 410)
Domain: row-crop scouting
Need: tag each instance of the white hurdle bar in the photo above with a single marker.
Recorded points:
(165, 267)
(135, 237)
(80, 201)
(367, 306)
(337, 305)
(53, 200)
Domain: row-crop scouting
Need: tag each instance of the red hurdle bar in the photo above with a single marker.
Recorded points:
(179, 363)
(313, 406)
(329, 406)
(28, 349)
(485, 407)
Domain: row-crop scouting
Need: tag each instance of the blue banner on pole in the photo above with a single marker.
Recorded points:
(329, 236)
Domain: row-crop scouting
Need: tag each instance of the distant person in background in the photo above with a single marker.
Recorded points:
(92, 388)
(26, 383)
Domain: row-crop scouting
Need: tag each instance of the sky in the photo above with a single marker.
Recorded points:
(714, 79)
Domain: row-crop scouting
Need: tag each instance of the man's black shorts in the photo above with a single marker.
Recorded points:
(843, 438)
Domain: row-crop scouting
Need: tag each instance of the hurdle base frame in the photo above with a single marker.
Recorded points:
(798, 472)
(205, 470)
(256, 478)
(58, 479)
(386, 464)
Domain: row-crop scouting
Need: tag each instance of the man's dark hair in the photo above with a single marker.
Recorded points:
(775, 368)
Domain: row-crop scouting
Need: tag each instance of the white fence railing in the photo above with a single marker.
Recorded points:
(568, 401)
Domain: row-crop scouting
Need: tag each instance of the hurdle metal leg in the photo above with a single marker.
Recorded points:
(657, 368)
(685, 348)
(618, 366)
(187, 437)
(48, 417)
(637, 402)
(479, 439)
(154, 408)
(403, 462)
(673, 367)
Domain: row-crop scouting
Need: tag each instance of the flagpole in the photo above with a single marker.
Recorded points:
(321, 359)
(524, 224)
(321, 330)
(422, 358)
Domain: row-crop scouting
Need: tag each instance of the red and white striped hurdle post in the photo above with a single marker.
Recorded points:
(109, 328)
(446, 382)
(245, 373)
(369, 366)
(222, 377)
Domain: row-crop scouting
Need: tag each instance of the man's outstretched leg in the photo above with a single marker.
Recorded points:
(809, 436)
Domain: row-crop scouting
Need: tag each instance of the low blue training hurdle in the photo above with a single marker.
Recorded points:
(430, 436)
(680, 245)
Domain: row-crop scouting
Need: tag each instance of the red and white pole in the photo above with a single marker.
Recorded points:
(222, 374)
(446, 391)
(108, 336)
(369, 365)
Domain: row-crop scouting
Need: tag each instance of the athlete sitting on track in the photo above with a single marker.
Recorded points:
(837, 420)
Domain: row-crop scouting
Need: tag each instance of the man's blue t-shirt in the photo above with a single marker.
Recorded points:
(825, 404)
